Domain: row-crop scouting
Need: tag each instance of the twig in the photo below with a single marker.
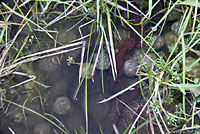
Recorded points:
(125, 9)
(41, 84)
(23, 82)
(10, 129)
(5, 51)
(159, 125)
(7, 70)
(115, 129)
(151, 123)
(2, 23)
(53, 50)
(194, 51)
(111, 45)
(59, 17)
(122, 91)
(81, 65)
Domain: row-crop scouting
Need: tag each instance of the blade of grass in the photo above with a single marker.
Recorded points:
(150, 8)
(27, 19)
(77, 23)
(190, 3)
(122, 91)
(179, 55)
(153, 97)
(111, 43)
(8, 69)
(62, 15)
(140, 126)
(7, 48)
(36, 12)
(20, 50)
(102, 77)
(122, 8)
(2, 34)
(98, 14)
(61, 124)
(133, 6)
(183, 75)
(22, 14)
(181, 34)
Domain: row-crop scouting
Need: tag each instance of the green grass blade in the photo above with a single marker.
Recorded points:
(23, 15)
(26, 19)
(20, 50)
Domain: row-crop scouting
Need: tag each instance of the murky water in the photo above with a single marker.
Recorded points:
(56, 102)
(49, 99)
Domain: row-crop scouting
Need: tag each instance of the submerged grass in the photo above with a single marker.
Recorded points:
(165, 74)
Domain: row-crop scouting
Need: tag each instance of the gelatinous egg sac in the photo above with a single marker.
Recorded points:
(170, 39)
(130, 67)
(194, 71)
(103, 62)
(86, 68)
(174, 15)
(42, 128)
(62, 106)
(159, 42)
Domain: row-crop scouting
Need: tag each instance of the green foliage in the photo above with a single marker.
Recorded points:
(197, 99)
(169, 100)
(169, 71)
(70, 60)
(196, 80)
(155, 106)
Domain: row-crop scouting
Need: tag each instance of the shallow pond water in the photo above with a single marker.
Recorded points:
(53, 96)
(50, 97)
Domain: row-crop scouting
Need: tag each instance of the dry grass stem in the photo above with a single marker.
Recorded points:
(122, 91)
(158, 122)
(81, 64)
(112, 46)
(151, 123)
(7, 48)
(61, 17)
(54, 51)
(24, 82)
